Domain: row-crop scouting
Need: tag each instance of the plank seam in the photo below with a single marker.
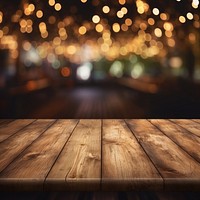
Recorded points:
(28, 146)
(174, 141)
(146, 154)
(43, 186)
(184, 128)
(194, 120)
(101, 155)
(17, 131)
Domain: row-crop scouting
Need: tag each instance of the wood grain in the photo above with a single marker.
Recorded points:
(79, 165)
(178, 168)
(33, 165)
(125, 166)
(189, 142)
(13, 127)
(5, 121)
(14, 145)
(190, 125)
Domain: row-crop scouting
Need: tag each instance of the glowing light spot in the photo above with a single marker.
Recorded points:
(190, 16)
(151, 21)
(116, 27)
(120, 14)
(168, 34)
(158, 32)
(175, 62)
(137, 70)
(26, 46)
(39, 14)
(128, 22)
(155, 11)
(83, 1)
(65, 71)
(116, 69)
(52, 2)
(106, 9)
(84, 71)
(182, 19)
(124, 10)
(57, 6)
(96, 19)
(168, 26)
(171, 42)
(82, 30)
(99, 28)
(71, 49)
(122, 2)
(163, 16)
(124, 27)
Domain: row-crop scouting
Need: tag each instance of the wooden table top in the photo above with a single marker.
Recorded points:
(92, 155)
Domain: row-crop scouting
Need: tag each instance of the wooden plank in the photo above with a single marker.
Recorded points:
(14, 145)
(29, 170)
(189, 142)
(9, 129)
(5, 121)
(125, 166)
(190, 125)
(79, 165)
(180, 171)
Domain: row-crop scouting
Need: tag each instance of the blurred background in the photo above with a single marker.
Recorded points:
(99, 59)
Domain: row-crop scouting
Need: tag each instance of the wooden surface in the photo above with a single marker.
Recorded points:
(94, 155)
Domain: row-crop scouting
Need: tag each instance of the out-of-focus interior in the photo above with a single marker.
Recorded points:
(99, 59)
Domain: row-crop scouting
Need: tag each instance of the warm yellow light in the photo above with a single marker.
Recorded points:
(120, 14)
(96, 19)
(151, 21)
(42, 27)
(39, 14)
(116, 27)
(140, 10)
(124, 10)
(171, 42)
(62, 32)
(29, 22)
(99, 28)
(158, 32)
(23, 23)
(122, 2)
(31, 7)
(124, 27)
(56, 41)
(143, 26)
(182, 19)
(106, 9)
(83, 1)
(82, 30)
(128, 22)
(57, 6)
(168, 34)
(52, 2)
(44, 35)
(190, 16)
(156, 11)
(168, 26)
(71, 49)
(29, 29)
(26, 46)
(163, 16)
